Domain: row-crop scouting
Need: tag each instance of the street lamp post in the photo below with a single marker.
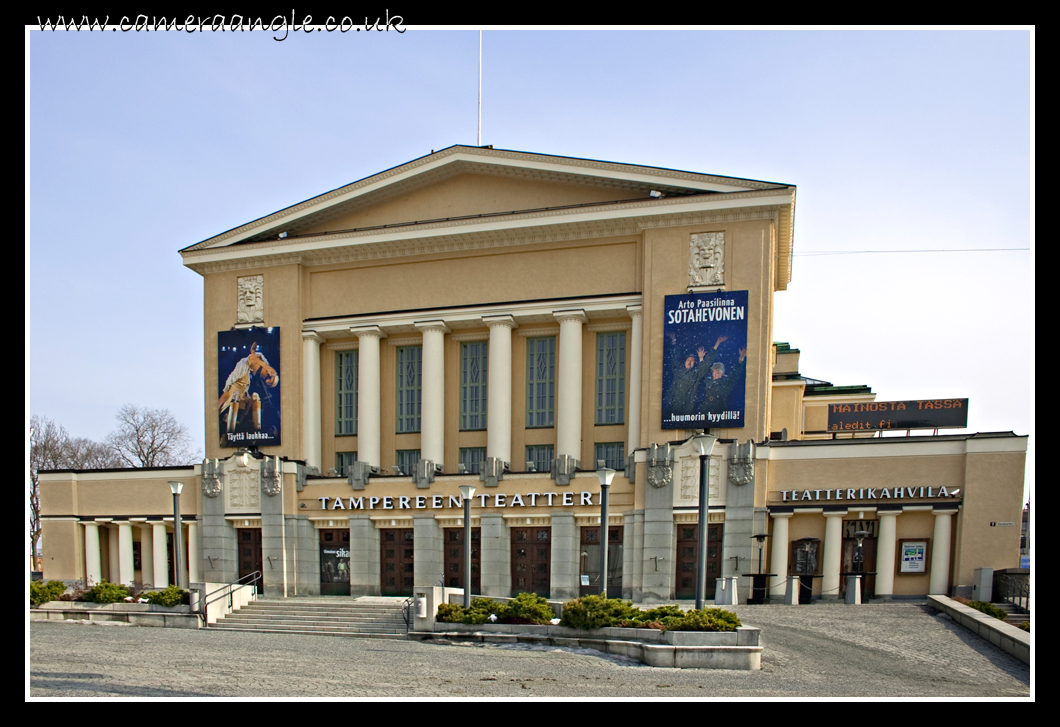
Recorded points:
(467, 492)
(178, 544)
(704, 445)
(606, 475)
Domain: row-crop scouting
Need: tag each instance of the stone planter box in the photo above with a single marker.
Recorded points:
(137, 614)
(738, 649)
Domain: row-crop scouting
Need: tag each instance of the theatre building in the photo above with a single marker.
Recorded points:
(516, 322)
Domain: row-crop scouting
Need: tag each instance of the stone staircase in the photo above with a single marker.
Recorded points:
(1014, 617)
(366, 617)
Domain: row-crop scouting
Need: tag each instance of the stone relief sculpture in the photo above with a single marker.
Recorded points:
(251, 299)
(690, 479)
(243, 490)
(706, 259)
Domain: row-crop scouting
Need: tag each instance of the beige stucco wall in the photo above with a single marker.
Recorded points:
(993, 493)
(533, 272)
(786, 409)
(283, 308)
(473, 194)
(748, 266)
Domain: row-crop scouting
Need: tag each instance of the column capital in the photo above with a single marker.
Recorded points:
(312, 336)
(426, 326)
(506, 321)
(635, 311)
(780, 515)
(570, 315)
(368, 332)
(836, 513)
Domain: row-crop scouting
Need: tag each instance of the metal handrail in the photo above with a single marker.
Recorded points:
(406, 613)
(205, 601)
(1014, 591)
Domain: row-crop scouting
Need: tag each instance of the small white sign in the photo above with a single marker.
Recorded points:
(585, 580)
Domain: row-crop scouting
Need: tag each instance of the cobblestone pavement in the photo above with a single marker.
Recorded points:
(890, 650)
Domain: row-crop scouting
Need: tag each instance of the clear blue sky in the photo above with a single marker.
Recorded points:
(140, 144)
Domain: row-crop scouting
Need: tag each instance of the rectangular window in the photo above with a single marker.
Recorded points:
(409, 370)
(345, 392)
(343, 460)
(613, 455)
(611, 378)
(540, 381)
(473, 377)
(541, 455)
(472, 458)
(406, 461)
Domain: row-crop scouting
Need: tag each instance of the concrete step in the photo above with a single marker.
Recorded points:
(355, 634)
(369, 618)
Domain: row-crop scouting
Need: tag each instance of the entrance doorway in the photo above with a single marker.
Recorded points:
(396, 552)
(335, 562)
(454, 559)
(590, 561)
(249, 540)
(688, 558)
(868, 545)
(531, 561)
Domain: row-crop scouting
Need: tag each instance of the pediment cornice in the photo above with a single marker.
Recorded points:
(444, 164)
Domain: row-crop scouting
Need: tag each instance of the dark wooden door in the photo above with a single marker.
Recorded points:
(454, 559)
(249, 540)
(531, 561)
(335, 562)
(396, 551)
(590, 561)
(688, 558)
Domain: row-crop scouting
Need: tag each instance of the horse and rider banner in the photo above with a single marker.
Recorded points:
(248, 387)
(704, 360)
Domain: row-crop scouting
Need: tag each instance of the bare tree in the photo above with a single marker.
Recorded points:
(47, 451)
(150, 438)
(85, 454)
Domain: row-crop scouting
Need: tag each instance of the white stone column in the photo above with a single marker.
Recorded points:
(368, 394)
(147, 556)
(113, 554)
(432, 406)
(569, 384)
(126, 575)
(833, 554)
(778, 553)
(885, 548)
(499, 390)
(93, 565)
(194, 553)
(635, 349)
(311, 403)
(939, 582)
(161, 553)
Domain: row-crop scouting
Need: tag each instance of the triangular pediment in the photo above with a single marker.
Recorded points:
(467, 182)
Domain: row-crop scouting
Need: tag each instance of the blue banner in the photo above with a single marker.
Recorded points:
(248, 387)
(704, 360)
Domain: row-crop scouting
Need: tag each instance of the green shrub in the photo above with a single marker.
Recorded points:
(988, 608)
(595, 612)
(1026, 626)
(450, 613)
(169, 596)
(527, 608)
(480, 611)
(660, 613)
(105, 592)
(709, 619)
(41, 592)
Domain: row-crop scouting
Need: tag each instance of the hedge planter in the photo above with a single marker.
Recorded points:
(136, 614)
(738, 649)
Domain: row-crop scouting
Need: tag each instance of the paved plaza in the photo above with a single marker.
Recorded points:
(823, 651)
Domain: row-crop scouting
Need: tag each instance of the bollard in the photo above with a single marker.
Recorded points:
(853, 596)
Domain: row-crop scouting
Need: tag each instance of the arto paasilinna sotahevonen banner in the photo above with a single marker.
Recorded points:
(704, 360)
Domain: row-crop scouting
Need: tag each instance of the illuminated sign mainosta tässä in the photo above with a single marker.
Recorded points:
(913, 414)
